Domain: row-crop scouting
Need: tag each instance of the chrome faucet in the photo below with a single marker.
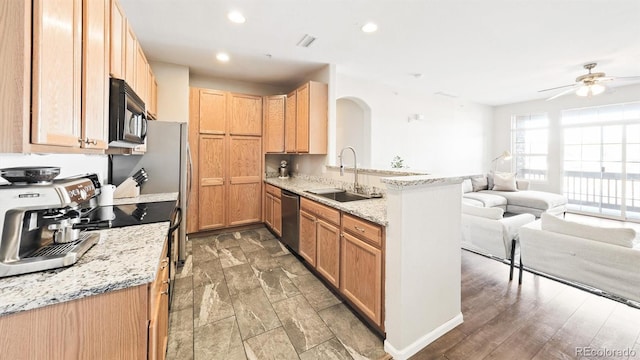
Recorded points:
(355, 167)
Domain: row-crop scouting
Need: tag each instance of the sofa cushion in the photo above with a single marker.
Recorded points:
(479, 183)
(485, 212)
(467, 186)
(472, 202)
(504, 182)
(530, 198)
(487, 199)
(616, 236)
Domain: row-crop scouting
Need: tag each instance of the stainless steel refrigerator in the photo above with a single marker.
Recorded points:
(168, 165)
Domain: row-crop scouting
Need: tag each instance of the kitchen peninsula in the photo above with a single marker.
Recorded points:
(421, 246)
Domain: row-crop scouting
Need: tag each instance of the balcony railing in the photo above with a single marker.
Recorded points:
(602, 190)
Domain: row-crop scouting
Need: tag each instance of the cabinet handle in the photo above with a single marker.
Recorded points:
(91, 141)
(166, 292)
(165, 282)
(358, 228)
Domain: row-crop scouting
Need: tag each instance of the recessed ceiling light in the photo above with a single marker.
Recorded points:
(222, 57)
(369, 27)
(236, 17)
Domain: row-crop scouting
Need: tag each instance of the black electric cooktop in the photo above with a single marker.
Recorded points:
(134, 214)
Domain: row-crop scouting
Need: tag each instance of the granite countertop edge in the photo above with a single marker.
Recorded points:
(373, 210)
(123, 258)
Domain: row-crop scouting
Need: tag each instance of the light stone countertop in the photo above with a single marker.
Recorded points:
(147, 198)
(374, 210)
(124, 257)
(421, 180)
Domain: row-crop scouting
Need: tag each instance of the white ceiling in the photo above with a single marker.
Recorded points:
(489, 51)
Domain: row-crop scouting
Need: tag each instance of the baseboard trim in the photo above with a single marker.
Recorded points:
(423, 341)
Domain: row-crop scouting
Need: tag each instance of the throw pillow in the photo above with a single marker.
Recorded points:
(485, 212)
(615, 236)
(504, 182)
(479, 183)
(467, 186)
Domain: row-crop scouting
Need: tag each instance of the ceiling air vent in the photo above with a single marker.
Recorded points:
(306, 40)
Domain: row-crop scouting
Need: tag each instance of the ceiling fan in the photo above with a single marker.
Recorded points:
(588, 84)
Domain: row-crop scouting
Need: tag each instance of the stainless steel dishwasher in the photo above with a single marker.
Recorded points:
(291, 220)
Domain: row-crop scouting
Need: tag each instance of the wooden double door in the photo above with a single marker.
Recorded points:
(230, 182)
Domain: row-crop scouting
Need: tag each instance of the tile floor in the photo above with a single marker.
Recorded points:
(242, 295)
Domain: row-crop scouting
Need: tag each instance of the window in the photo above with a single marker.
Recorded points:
(602, 160)
(529, 145)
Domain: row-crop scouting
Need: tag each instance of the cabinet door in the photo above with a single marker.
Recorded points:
(274, 124)
(328, 247)
(211, 202)
(245, 114)
(213, 111)
(153, 93)
(277, 216)
(307, 246)
(290, 123)
(57, 59)
(130, 52)
(302, 119)
(245, 180)
(361, 276)
(95, 78)
(117, 40)
(268, 210)
(142, 74)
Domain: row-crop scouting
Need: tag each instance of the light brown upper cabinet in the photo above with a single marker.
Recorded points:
(130, 54)
(245, 114)
(43, 53)
(274, 110)
(95, 78)
(152, 107)
(311, 108)
(213, 111)
(57, 72)
(290, 123)
(117, 41)
(142, 76)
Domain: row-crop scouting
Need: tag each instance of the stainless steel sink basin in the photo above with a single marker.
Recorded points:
(339, 195)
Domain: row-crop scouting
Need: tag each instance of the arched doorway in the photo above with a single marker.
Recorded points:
(353, 128)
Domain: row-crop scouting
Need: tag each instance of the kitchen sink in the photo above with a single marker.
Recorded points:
(338, 195)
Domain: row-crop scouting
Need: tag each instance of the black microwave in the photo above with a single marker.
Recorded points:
(127, 116)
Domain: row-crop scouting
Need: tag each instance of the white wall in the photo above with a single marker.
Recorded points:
(553, 108)
(70, 164)
(173, 91)
(454, 137)
(235, 86)
(353, 128)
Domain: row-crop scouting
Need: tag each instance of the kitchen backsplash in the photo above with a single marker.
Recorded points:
(70, 164)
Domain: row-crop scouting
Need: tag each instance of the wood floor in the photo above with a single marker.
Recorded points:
(541, 319)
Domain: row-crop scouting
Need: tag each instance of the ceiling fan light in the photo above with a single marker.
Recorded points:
(584, 90)
(597, 89)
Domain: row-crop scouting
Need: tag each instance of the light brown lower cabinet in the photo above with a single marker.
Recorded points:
(361, 276)
(115, 325)
(273, 208)
(348, 252)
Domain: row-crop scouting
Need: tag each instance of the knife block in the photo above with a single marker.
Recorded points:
(127, 189)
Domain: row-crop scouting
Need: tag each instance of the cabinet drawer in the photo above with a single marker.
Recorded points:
(273, 190)
(330, 214)
(363, 229)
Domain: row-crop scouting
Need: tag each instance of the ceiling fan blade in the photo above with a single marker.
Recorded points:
(562, 93)
(626, 78)
(556, 88)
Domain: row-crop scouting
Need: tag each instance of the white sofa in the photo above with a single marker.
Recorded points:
(607, 259)
(520, 201)
(487, 231)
